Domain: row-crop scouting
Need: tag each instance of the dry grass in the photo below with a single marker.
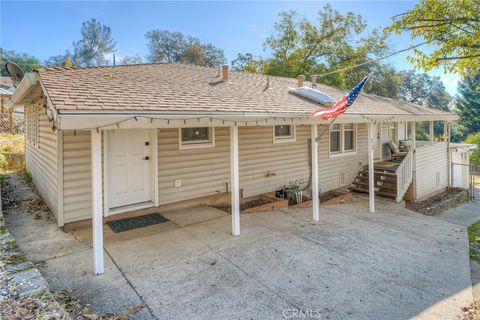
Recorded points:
(476, 179)
(11, 144)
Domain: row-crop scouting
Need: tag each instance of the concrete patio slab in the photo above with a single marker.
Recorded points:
(465, 214)
(394, 264)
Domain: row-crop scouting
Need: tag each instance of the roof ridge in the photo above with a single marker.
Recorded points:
(99, 67)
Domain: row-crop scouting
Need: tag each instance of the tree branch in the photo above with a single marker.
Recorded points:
(458, 57)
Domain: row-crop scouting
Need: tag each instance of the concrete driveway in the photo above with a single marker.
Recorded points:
(394, 264)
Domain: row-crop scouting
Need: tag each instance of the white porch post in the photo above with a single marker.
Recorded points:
(235, 181)
(371, 173)
(315, 197)
(97, 206)
(413, 132)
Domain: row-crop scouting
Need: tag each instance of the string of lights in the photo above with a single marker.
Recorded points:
(197, 120)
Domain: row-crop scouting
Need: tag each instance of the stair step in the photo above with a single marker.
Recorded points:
(381, 172)
(377, 193)
(381, 187)
(379, 168)
(385, 179)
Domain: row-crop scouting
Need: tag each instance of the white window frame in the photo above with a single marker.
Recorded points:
(210, 143)
(285, 139)
(343, 152)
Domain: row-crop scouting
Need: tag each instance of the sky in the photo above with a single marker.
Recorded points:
(46, 28)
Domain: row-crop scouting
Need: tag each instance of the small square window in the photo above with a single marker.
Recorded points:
(283, 133)
(196, 137)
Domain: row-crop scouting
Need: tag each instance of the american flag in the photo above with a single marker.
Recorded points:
(341, 105)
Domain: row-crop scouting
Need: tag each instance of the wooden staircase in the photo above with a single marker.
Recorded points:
(385, 182)
(392, 178)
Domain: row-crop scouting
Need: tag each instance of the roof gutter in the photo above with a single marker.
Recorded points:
(181, 115)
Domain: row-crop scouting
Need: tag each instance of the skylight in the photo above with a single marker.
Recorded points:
(314, 95)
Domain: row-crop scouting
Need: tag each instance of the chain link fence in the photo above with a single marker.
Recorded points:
(466, 176)
(12, 141)
(12, 123)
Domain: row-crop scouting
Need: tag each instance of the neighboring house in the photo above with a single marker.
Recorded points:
(105, 141)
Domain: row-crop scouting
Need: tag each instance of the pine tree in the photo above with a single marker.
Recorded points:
(468, 104)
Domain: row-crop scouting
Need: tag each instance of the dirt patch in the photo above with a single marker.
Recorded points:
(472, 312)
(334, 197)
(32, 204)
(253, 205)
(440, 202)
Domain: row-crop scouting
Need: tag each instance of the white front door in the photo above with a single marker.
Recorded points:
(129, 167)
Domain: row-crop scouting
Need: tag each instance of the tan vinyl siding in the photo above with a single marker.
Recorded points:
(77, 181)
(204, 171)
(42, 160)
(431, 169)
(336, 172)
(259, 155)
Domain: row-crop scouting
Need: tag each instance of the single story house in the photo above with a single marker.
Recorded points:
(105, 141)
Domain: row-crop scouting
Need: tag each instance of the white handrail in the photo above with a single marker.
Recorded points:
(404, 174)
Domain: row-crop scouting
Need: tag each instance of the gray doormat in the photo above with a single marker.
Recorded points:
(136, 222)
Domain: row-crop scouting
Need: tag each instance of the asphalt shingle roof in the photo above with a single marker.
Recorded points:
(187, 88)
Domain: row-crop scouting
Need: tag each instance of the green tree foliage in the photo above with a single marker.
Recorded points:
(60, 60)
(475, 155)
(27, 62)
(96, 42)
(467, 104)
(335, 41)
(422, 89)
(167, 46)
(247, 62)
(384, 80)
(428, 91)
(451, 27)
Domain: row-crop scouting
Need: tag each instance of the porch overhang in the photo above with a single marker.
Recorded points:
(84, 120)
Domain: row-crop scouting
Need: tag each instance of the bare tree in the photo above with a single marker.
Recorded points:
(95, 43)
(136, 59)
(167, 46)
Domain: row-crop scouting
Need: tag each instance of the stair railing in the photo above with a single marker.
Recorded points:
(404, 174)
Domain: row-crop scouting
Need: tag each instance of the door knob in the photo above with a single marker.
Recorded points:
(146, 158)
